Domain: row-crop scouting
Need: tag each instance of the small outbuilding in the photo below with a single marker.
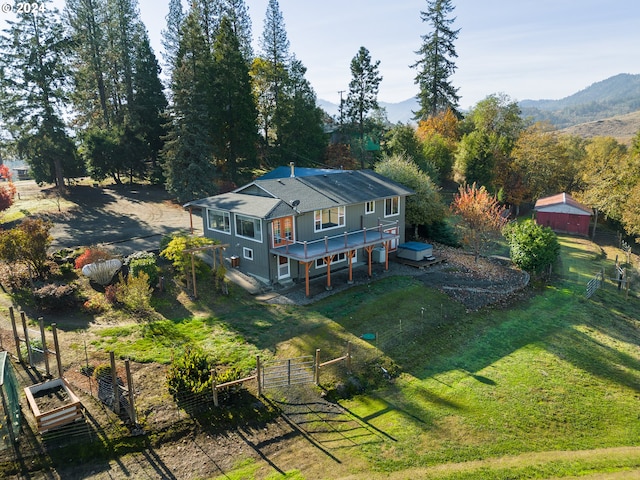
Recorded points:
(562, 213)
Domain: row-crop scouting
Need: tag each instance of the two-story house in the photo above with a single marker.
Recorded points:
(293, 224)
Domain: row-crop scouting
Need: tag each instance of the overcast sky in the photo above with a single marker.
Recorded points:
(527, 49)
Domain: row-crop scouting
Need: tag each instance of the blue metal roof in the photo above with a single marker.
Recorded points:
(285, 172)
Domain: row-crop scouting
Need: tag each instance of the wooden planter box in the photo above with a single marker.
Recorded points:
(53, 404)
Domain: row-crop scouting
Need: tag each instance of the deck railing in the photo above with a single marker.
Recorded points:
(369, 235)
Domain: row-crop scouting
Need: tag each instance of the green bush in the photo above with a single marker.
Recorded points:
(189, 376)
(175, 251)
(144, 263)
(103, 372)
(134, 293)
(532, 247)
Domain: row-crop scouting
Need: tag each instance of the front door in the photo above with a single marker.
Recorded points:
(283, 267)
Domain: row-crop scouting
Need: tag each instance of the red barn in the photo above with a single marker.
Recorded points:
(563, 214)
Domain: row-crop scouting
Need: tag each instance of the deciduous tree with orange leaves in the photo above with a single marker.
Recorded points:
(481, 217)
(7, 188)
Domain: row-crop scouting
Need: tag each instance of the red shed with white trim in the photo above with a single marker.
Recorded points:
(562, 213)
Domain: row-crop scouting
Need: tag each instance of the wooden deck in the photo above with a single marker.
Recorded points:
(419, 263)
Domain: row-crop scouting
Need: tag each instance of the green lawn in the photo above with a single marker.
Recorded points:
(548, 387)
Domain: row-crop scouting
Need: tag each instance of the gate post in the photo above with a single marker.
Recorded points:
(289, 371)
(114, 382)
(258, 378)
(26, 338)
(316, 376)
(132, 404)
(214, 387)
(56, 345)
(45, 350)
(16, 337)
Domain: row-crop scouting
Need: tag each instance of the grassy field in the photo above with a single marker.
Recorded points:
(547, 387)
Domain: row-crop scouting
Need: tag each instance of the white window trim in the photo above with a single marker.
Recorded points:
(385, 207)
(343, 216)
(346, 258)
(226, 214)
(247, 253)
(235, 226)
(373, 210)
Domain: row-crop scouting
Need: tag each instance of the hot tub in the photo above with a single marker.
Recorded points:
(415, 250)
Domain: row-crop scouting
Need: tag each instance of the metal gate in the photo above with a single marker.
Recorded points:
(283, 373)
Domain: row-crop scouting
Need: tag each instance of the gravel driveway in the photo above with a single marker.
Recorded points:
(125, 218)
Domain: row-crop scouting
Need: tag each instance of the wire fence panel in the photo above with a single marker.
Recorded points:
(293, 371)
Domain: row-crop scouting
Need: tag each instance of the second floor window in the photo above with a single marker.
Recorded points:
(391, 206)
(329, 218)
(249, 227)
(370, 207)
(219, 221)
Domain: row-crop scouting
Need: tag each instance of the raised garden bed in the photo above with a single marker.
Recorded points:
(54, 404)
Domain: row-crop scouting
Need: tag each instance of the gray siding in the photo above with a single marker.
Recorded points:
(259, 266)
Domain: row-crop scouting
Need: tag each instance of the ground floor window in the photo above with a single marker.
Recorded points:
(339, 257)
(247, 253)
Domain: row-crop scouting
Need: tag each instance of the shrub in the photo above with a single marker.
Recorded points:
(92, 255)
(144, 263)
(102, 372)
(110, 294)
(97, 303)
(27, 243)
(189, 376)
(55, 297)
(532, 247)
(175, 251)
(134, 293)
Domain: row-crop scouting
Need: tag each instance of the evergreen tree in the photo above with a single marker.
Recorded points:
(35, 51)
(275, 53)
(436, 66)
(117, 87)
(188, 153)
(238, 14)
(363, 92)
(92, 96)
(234, 118)
(171, 35)
(301, 133)
(149, 104)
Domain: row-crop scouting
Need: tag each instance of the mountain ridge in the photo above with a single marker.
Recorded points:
(611, 97)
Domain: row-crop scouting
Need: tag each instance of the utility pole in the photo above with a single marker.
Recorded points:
(340, 108)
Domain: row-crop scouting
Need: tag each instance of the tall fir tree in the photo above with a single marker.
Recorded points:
(363, 93)
(234, 117)
(302, 137)
(148, 106)
(35, 49)
(91, 97)
(188, 152)
(275, 67)
(118, 95)
(238, 14)
(171, 35)
(436, 66)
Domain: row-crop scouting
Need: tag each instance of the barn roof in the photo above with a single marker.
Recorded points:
(555, 202)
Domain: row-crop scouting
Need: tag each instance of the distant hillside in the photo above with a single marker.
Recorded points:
(396, 112)
(617, 95)
(613, 97)
(621, 127)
